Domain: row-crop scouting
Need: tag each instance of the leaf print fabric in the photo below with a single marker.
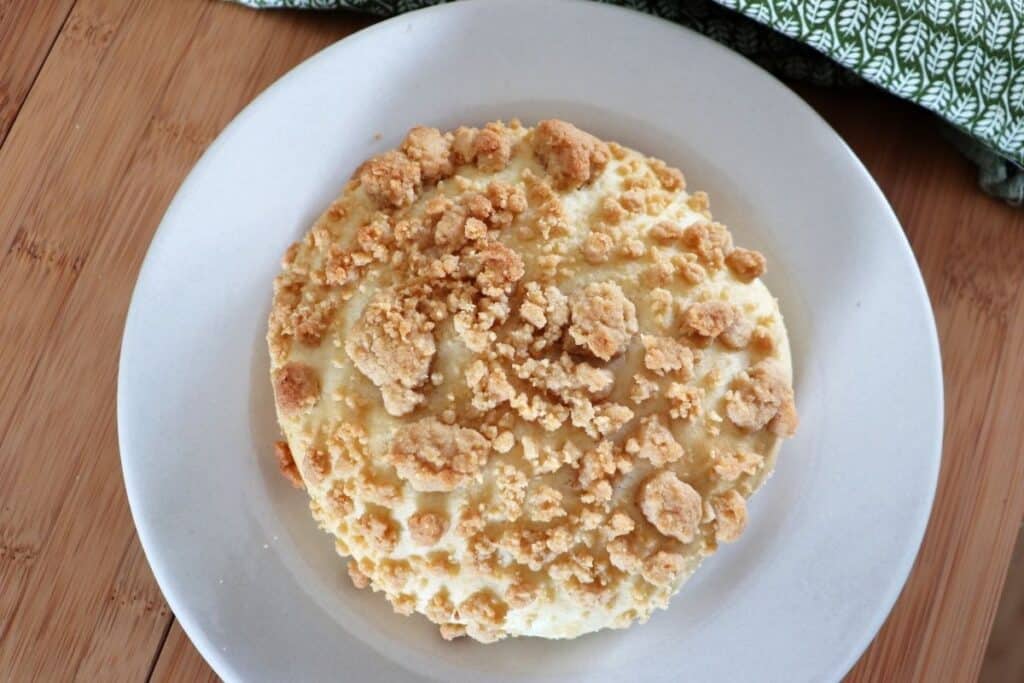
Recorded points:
(962, 59)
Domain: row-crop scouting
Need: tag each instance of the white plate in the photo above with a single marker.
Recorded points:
(832, 537)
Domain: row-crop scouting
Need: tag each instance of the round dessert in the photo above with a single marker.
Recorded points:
(526, 380)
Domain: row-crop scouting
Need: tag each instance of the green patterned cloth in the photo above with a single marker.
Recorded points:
(961, 59)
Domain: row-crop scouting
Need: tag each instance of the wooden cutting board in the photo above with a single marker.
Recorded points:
(104, 107)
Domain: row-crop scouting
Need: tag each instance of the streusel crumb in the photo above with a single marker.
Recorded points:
(391, 180)
(433, 456)
(671, 505)
(603, 319)
(286, 464)
(296, 387)
(747, 264)
(571, 156)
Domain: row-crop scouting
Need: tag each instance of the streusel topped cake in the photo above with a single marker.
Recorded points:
(526, 380)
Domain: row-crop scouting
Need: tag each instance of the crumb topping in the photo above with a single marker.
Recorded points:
(730, 466)
(747, 264)
(391, 180)
(296, 387)
(665, 355)
(709, 319)
(431, 150)
(671, 505)
(758, 395)
(433, 456)
(426, 528)
(286, 464)
(603, 319)
(662, 568)
(527, 379)
(571, 156)
(655, 442)
(730, 516)
(393, 344)
(491, 149)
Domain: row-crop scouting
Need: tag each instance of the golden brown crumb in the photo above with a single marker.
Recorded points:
(785, 422)
(572, 157)
(603, 319)
(596, 248)
(611, 211)
(339, 503)
(685, 401)
(671, 178)
(709, 241)
(690, 271)
(655, 442)
(730, 516)
(643, 388)
(489, 385)
(296, 387)
(462, 145)
(747, 264)
(662, 569)
(666, 231)
(546, 504)
(452, 631)
(757, 395)
(737, 335)
(439, 608)
(504, 442)
(663, 355)
(623, 557)
(393, 344)
(483, 608)
(762, 339)
(521, 594)
(426, 528)
(433, 456)
(709, 319)
(391, 180)
(393, 575)
(381, 492)
(359, 579)
(671, 505)
(632, 200)
(317, 464)
(478, 206)
(699, 202)
(492, 149)
(286, 464)
(402, 604)
(432, 150)
(730, 466)
(475, 229)
(510, 485)
(378, 531)
(496, 268)
(620, 524)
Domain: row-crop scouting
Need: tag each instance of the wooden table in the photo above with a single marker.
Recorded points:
(104, 107)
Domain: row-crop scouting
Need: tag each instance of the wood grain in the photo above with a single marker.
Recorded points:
(76, 238)
(106, 104)
(1004, 659)
(27, 32)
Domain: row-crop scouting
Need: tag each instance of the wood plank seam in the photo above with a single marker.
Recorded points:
(160, 648)
(4, 132)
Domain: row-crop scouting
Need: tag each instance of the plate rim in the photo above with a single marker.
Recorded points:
(179, 606)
